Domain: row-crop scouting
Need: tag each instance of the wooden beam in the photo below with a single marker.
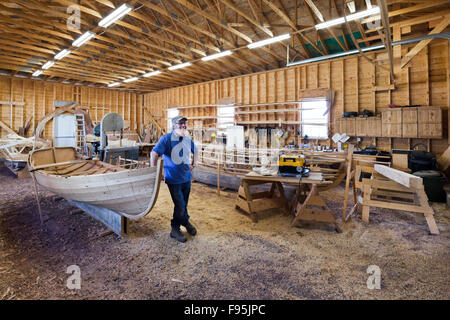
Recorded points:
(14, 103)
(422, 44)
(7, 128)
(260, 26)
(403, 178)
(387, 34)
(315, 10)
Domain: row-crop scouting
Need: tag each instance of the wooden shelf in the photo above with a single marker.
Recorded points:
(266, 104)
(281, 122)
(200, 118)
(200, 106)
(268, 111)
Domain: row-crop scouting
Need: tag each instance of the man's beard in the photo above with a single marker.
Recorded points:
(180, 132)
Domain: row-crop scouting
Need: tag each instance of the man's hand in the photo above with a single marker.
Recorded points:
(153, 158)
(191, 167)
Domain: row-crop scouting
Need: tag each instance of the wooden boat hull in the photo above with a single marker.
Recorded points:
(208, 176)
(129, 192)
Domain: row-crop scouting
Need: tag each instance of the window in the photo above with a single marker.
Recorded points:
(171, 113)
(225, 118)
(314, 122)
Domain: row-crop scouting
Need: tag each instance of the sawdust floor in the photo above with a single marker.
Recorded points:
(230, 258)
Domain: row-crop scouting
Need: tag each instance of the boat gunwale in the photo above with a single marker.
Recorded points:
(46, 173)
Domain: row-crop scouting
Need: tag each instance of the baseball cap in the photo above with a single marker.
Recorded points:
(178, 119)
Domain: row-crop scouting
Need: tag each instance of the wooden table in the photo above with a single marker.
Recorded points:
(306, 187)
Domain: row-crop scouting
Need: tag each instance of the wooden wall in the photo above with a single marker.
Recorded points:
(358, 83)
(39, 97)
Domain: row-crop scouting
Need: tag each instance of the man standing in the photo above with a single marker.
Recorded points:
(176, 148)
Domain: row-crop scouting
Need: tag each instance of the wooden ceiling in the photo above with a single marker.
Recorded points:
(161, 33)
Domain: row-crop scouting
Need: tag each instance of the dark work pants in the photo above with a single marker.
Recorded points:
(180, 197)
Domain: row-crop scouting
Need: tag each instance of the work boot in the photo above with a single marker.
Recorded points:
(177, 235)
(190, 229)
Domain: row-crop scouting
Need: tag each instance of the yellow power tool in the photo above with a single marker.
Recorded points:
(292, 166)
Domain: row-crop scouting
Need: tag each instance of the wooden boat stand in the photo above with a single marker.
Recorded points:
(261, 201)
(383, 193)
(36, 193)
(401, 191)
(304, 210)
(19, 173)
(313, 208)
(111, 219)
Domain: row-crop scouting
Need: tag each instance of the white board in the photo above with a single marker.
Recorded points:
(64, 131)
(235, 137)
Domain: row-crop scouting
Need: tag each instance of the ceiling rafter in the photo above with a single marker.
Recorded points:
(161, 33)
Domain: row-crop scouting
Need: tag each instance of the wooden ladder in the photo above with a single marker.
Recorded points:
(81, 133)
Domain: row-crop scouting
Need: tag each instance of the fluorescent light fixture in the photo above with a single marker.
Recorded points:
(37, 73)
(62, 54)
(269, 41)
(151, 74)
(179, 66)
(115, 15)
(48, 65)
(131, 79)
(217, 55)
(85, 37)
(351, 17)
(336, 55)
(113, 84)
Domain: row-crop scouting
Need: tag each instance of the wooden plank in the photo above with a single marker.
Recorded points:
(72, 168)
(6, 127)
(109, 218)
(400, 160)
(14, 103)
(317, 215)
(243, 204)
(393, 194)
(444, 160)
(409, 121)
(51, 165)
(405, 179)
(385, 184)
(266, 204)
(393, 206)
(347, 181)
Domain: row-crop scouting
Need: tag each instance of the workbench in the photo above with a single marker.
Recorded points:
(145, 149)
(308, 189)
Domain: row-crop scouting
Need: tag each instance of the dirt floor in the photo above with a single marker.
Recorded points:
(230, 258)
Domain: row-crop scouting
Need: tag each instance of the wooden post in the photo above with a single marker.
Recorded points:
(36, 193)
(218, 176)
(347, 181)
(34, 106)
(366, 208)
(11, 123)
(23, 106)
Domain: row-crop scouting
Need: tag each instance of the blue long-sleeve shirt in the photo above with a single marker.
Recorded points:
(176, 152)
